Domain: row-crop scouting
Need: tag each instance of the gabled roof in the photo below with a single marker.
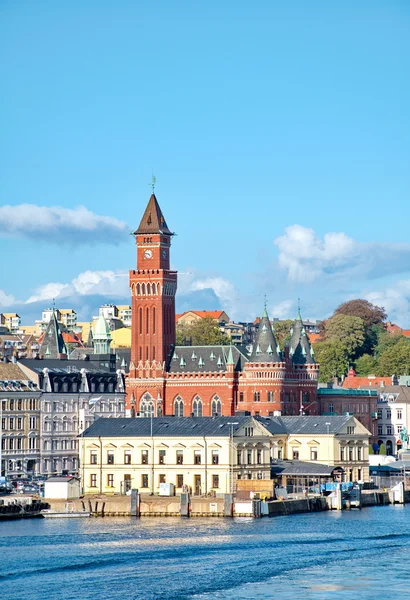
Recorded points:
(153, 220)
(311, 425)
(165, 427)
(52, 344)
(214, 314)
(206, 359)
(265, 349)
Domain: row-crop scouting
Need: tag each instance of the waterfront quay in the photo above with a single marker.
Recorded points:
(143, 505)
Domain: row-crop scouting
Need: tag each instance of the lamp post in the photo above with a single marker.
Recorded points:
(231, 458)
(154, 408)
(328, 443)
(1, 437)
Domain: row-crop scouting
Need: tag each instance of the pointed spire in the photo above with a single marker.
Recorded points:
(153, 220)
(230, 360)
(265, 346)
(52, 344)
(90, 339)
(102, 336)
(300, 349)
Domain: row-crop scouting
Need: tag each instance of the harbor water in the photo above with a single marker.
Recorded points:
(361, 554)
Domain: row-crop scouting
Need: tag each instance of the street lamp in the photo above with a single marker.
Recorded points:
(231, 458)
(328, 443)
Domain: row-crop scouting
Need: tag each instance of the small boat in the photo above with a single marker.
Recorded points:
(69, 512)
(56, 514)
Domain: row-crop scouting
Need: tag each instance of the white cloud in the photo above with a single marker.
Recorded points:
(104, 283)
(61, 225)
(282, 310)
(395, 300)
(306, 257)
(6, 299)
(223, 289)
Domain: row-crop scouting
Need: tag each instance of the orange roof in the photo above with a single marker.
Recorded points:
(371, 381)
(392, 327)
(70, 338)
(315, 337)
(405, 332)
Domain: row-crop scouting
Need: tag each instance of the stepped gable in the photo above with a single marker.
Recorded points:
(52, 345)
(265, 348)
(153, 221)
(300, 350)
(206, 359)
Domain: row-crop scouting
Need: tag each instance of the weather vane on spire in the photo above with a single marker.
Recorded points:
(265, 301)
(153, 182)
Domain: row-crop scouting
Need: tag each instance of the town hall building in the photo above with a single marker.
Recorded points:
(204, 381)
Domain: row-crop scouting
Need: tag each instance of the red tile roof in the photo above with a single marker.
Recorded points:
(371, 381)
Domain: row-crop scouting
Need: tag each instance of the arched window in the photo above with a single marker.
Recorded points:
(140, 311)
(138, 289)
(178, 407)
(148, 289)
(147, 317)
(143, 289)
(147, 405)
(197, 407)
(216, 407)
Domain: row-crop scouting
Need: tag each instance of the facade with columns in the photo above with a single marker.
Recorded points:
(166, 379)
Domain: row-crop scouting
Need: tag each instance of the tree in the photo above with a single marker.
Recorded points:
(386, 340)
(365, 310)
(372, 316)
(382, 449)
(281, 330)
(348, 330)
(365, 365)
(204, 332)
(332, 357)
(395, 360)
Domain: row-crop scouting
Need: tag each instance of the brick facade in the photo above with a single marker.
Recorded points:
(206, 380)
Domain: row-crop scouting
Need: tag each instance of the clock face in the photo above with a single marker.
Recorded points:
(164, 254)
(148, 254)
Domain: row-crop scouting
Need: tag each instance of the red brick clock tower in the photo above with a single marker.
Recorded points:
(153, 288)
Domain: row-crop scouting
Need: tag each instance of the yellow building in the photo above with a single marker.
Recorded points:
(199, 455)
(207, 454)
(121, 338)
(334, 441)
(12, 321)
(68, 318)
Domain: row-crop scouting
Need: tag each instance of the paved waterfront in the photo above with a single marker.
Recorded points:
(360, 554)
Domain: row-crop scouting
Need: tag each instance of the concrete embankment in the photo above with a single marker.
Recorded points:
(154, 506)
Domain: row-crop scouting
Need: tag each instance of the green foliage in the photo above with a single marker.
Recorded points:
(395, 360)
(333, 359)
(204, 332)
(371, 451)
(282, 331)
(348, 330)
(365, 365)
(382, 449)
(386, 340)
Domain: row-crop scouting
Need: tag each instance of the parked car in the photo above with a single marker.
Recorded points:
(29, 489)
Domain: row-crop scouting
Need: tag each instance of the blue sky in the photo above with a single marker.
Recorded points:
(279, 134)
